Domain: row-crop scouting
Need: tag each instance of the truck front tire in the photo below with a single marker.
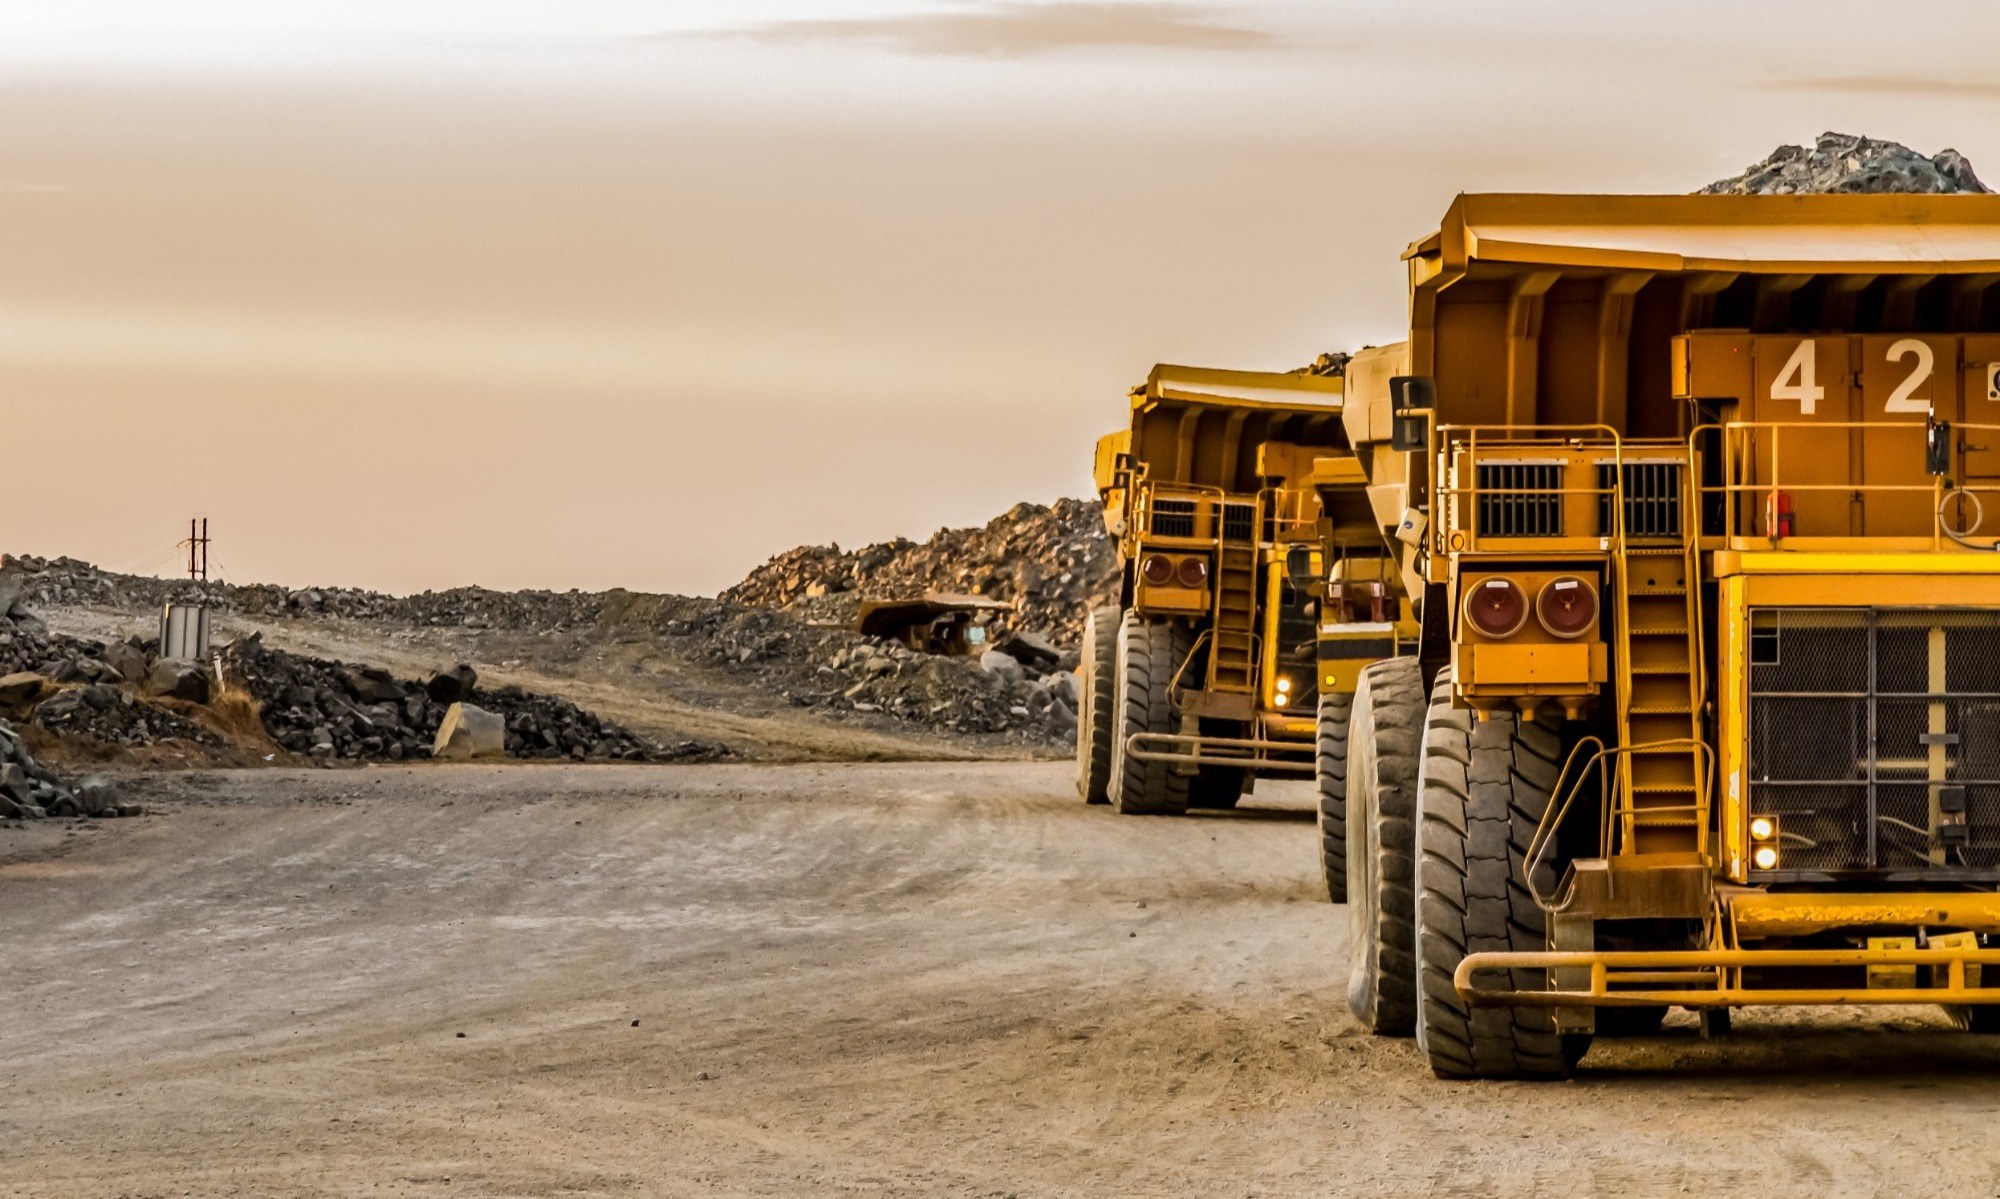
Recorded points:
(1484, 788)
(1381, 796)
(1097, 693)
(1149, 652)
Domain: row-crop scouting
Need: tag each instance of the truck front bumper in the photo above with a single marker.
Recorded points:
(1714, 978)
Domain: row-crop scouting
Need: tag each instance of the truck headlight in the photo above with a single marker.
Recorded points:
(1765, 857)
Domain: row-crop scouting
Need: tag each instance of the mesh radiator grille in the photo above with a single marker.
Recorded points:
(1866, 726)
(1520, 499)
(1652, 498)
(1173, 518)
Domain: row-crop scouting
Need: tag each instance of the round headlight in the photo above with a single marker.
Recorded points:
(1157, 569)
(1496, 607)
(1192, 572)
(1762, 828)
(1765, 857)
(1567, 607)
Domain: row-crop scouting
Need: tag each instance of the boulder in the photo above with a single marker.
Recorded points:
(468, 733)
(1030, 650)
(452, 686)
(179, 679)
(22, 687)
(371, 685)
(129, 661)
(1006, 666)
(98, 796)
(13, 590)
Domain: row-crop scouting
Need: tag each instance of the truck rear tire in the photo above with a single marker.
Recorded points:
(1330, 772)
(1097, 691)
(1484, 789)
(1149, 652)
(1381, 796)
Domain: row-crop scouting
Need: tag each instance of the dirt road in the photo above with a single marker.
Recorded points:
(906, 979)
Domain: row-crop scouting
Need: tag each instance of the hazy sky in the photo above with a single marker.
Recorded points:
(419, 293)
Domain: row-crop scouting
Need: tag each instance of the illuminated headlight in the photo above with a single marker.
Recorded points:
(1763, 828)
(1284, 684)
(1765, 857)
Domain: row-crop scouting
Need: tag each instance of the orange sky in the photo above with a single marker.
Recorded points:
(592, 295)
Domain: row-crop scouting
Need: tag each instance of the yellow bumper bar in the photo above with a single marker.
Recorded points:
(1257, 755)
(1711, 978)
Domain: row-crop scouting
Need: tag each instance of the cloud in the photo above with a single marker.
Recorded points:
(1016, 29)
(1893, 85)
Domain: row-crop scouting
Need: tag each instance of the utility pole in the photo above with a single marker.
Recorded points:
(197, 547)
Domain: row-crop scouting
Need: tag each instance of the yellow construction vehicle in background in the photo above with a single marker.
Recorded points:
(1696, 499)
(1204, 676)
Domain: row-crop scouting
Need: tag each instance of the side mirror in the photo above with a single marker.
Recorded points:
(1411, 399)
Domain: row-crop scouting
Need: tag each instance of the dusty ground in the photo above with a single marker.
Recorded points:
(875, 979)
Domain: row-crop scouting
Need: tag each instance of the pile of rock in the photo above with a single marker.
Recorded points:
(30, 792)
(1051, 563)
(1842, 162)
(112, 715)
(334, 710)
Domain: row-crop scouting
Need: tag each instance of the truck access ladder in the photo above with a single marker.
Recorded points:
(1233, 649)
(1663, 797)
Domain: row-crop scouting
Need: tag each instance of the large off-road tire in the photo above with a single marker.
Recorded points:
(1484, 789)
(1381, 797)
(1149, 652)
(1217, 787)
(1330, 773)
(1097, 688)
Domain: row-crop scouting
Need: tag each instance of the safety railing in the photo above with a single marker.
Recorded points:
(1761, 487)
(1617, 810)
(1457, 502)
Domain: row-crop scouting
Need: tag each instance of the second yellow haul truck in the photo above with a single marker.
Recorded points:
(1698, 498)
(1206, 675)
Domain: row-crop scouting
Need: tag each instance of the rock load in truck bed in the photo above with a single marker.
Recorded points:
(1843, 162)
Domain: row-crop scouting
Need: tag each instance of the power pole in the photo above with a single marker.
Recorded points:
(197, 547)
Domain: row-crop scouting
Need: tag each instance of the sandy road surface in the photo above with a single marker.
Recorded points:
(872, 979)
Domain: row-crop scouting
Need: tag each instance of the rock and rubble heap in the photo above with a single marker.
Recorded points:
(1841, 162)
(333, 710)
(1051, 563)
(841, 672)
(28, 791)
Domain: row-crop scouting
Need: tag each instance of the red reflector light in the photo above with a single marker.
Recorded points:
(1567, 607)
(1496, 607)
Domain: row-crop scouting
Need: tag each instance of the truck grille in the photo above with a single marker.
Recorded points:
(1867, 726)
(1652, 498)
(1173, 518)
(1239, 522)
(1520, 499)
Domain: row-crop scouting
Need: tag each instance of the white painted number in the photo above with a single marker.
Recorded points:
(1900, 400)
(1798, 381)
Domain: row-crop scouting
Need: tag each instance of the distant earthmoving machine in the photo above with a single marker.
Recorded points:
(948, 625)
(1208, 672)
(1697, 497)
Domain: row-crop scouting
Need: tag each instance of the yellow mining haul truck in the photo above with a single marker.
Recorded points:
(1203, 677)
(1700, 495)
